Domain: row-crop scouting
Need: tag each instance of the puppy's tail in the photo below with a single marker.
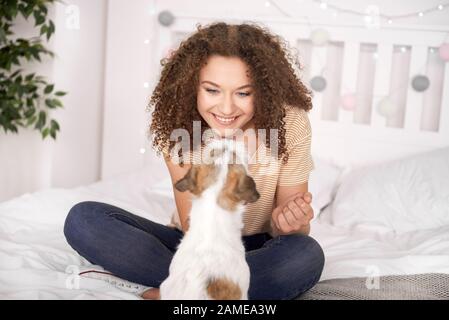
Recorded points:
(223, 289)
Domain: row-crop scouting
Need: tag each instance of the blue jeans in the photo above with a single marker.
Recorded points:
(140, 250)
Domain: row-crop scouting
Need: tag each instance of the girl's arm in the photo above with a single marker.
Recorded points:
(183, 199)
(293, 212)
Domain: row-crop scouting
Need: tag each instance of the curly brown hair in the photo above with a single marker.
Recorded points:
(272, 69)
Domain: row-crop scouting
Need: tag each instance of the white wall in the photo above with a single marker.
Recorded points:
(79, 69)
(129, 62)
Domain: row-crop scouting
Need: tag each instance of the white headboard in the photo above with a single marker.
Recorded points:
(367, 65)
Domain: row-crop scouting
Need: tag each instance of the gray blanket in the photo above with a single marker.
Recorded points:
(429, 286)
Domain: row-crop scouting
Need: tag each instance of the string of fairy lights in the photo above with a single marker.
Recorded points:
(370, 16)
(372, 11)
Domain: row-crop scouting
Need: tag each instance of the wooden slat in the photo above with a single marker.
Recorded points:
(351, 54)
(443, 129)
(318, 62)
(418, 61)
(305, 58)
(381, 82)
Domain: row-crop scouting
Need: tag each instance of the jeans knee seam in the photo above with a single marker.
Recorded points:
(113, 213)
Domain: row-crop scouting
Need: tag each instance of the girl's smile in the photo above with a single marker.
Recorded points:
(225, 121)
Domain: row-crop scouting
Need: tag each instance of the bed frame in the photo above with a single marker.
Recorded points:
(373, 64)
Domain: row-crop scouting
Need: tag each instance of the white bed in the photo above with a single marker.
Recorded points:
(37, 263)
(35, 260)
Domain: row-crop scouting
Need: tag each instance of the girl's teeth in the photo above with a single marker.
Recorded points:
(225, 120)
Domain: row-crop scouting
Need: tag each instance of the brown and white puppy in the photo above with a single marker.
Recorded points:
(210, 260)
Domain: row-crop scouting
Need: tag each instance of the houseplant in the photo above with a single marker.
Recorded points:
(26, 98)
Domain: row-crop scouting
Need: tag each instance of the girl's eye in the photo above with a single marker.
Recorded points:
(213, 91)
(241, 94)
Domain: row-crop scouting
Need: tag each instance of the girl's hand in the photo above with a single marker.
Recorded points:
(294, 215)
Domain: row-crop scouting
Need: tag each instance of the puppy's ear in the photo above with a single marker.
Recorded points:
(246, 189)
(238, 187)
(197, 179)
(188, 183)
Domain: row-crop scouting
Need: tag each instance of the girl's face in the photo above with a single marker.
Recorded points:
(225, 95)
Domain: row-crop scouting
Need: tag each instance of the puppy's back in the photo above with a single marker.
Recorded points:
(223, 289)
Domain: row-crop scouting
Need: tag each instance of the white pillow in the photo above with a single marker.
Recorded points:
(399, 196)
(322, 183)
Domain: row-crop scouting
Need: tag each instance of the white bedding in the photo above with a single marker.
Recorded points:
(34, 255)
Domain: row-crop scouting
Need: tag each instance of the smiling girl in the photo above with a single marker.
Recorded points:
(227, 78)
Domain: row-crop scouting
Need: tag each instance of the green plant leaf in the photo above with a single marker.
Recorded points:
(49, 103)
(44, 29)
(60, 93)
(15, 73)
(18, 79)
(26, 11)
(2, 35)
(20, 91)
(30, 112)
(43, 8)
(30, 77)
(29, 102)
(31, 120)
(35, 53)
(48, 89)
(54, 124)
(45, 132)
(41, 120)
(50, 30)
(15, 61)
(38, 18)
(57, 103)
(13, 128)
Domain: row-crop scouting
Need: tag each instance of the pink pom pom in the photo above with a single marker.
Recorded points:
(443, 51)
(348, 102)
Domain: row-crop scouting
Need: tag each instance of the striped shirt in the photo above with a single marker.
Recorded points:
(268, 172)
